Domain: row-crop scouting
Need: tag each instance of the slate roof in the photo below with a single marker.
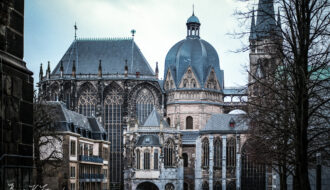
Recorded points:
(64, 119)
(112, 53)
(198, 54)
(148, 140)
(189, 137)
(220, 123)
(154, 120)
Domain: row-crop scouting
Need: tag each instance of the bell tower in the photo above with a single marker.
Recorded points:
(265, 39)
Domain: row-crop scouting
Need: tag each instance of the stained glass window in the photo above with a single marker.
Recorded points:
(144, 104)
(217, 153)
(205, 149)
(169, 153)
(87, 102)
(231, 155)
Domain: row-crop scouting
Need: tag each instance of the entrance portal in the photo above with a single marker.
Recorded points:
(147, 186)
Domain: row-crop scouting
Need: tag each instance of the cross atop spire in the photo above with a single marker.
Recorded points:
(75, 30)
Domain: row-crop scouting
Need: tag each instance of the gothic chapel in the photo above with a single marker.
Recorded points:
(181, 133)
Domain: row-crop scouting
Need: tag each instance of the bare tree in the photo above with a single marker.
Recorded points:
(46, 140)
(289, 85)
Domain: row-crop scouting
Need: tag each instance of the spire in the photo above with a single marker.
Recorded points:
(61, 69)
(74, 69)
(253, 28)
(41, 73)
(100, 69)
(266, 23)
(193, 10)
(156, 70)
(75, 31)
(48, 71)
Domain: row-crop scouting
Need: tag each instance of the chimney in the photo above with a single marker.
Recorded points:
(156, 70)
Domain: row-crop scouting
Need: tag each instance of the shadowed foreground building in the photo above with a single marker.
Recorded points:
(16, 94)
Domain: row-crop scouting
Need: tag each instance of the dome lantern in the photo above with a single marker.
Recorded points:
(193, 25)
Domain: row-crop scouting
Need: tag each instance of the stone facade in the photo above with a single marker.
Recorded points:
(16, 94)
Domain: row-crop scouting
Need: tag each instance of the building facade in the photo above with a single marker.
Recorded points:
(83, 150)
(183, 132)
(16, 94)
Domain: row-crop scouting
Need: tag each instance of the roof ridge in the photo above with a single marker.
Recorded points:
(103, 38)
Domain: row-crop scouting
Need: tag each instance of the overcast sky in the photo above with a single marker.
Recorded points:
(159, 25)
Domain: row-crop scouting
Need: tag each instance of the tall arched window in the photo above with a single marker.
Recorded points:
(144, 104)
(253, 174)
(112, 112)
(168, 120)
(169, 154)
(185, 159)
(231, 155)
(217, 153)
(217, 186)
(138, 159)
(87, 101)
(146, 163)
(156, 159)
(169, 186)
(189, 122)
(185, 186)
(205, 185)
(231, 186)
(185, 83)
(205, 153)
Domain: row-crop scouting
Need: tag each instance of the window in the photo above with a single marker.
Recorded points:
(185, 186)
(167, 85)
(193, 82)
(156, 160)
(144, 104)
(217, 153)
(185, 159)
(189, 122)
(205, 186)
(112, 115)
(72, 172)
(253, 174)
(138, 159)
(73, 186)
(67, 100)
(73, 148)
(217, 186)
(231, 155)
(231, 186)
(105, 173)
(169, 186)
(185, 83)
(81, 149)
(87, 101)
(169, 153)
(90, 150)
(168, 120)
(205, 154)
(146, 160)
(105, 153)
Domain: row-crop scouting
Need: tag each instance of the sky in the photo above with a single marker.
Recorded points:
(159, 24)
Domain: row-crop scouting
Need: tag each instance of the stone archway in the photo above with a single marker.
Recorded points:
(147, 186)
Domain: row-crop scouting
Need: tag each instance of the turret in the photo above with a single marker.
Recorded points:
(100, 69)
(74, 69)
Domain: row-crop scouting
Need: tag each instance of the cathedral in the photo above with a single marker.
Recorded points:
(183, 132)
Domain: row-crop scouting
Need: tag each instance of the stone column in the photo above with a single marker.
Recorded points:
(211, 162)
(198, 165)
(224, 145)
(238, 163)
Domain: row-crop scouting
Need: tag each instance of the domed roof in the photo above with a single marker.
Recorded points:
(196, 53)
(193, 19)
